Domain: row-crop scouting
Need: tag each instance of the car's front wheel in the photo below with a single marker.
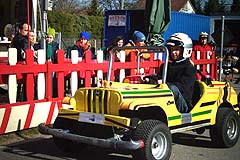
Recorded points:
(225, 132)
(157, 140)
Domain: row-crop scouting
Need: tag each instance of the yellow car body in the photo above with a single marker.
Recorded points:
(113, 99)
(142, 117)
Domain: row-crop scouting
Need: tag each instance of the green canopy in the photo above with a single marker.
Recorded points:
(157, 19)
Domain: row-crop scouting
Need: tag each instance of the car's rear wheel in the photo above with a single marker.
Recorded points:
(157, 140)
(64, 144)
(225, 132)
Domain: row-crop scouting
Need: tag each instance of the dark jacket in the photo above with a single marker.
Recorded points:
(55, 48)
(183, 75)
(20, 42)
(53, 54)
(81, 48)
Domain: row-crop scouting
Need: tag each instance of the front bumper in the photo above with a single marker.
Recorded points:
(105, 143)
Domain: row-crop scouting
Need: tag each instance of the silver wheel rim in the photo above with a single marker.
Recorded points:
(159, 145)
(232, 128)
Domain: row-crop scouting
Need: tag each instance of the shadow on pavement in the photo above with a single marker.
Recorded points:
(193, 140)
(45, 149)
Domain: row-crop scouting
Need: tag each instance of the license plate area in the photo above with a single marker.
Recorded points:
(91, 118)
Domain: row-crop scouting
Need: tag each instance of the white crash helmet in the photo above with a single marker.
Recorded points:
(203, 35)
(183, 40)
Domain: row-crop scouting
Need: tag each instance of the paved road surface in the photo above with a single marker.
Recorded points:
(187, 146)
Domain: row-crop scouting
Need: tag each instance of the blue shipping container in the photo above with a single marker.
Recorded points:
(124, 22)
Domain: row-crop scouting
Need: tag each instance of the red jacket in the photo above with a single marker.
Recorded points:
(203, 50)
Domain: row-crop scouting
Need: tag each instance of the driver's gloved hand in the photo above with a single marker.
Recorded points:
(150, 79)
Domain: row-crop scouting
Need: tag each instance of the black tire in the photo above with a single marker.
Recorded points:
(225, 132)
(157, 140)
(64, 144)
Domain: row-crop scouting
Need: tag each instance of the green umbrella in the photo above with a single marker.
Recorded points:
(157, 19)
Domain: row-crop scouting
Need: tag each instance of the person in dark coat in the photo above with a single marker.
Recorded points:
(181, 73)
(82, 44)
(20, 41)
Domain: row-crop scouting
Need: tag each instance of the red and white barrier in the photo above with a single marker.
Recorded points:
(22, 115)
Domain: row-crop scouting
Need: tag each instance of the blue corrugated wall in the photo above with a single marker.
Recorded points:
(190, 24)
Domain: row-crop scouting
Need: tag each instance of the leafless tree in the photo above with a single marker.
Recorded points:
(65, 4)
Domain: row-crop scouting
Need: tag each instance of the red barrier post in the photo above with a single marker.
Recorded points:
(88, 73)
(60, 74)
(29, 76)
(49, 81)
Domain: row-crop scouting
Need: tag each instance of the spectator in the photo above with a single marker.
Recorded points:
(117, 42)
(138, 39)
(181, 74)
(33, 43)
(82, 44)
(51, 46)
(203, 46)
(20, 41)
(51, 55)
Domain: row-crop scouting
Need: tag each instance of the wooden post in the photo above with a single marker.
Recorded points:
(74, 75)
(122, 71)
(198, 58)
(41, 84)
(99, 72)
(12, 79)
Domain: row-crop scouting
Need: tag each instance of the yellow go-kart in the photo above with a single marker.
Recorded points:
(141, 118)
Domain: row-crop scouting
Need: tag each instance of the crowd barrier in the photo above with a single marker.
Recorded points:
(37, 75)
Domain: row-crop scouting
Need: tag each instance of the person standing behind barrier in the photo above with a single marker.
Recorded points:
(20, 41)
(203, 46)
(51, 56)
(82, 44)
(83, 47)
(33, 44)
(52, 46)
(117, 42)
(138, 39)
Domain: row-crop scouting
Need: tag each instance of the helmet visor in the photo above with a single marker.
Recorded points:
(171, 43)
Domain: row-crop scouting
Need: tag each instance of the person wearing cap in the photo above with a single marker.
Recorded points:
(82, 44)
(202, 46)
(51, 55)
(51, 46)
(138, 39)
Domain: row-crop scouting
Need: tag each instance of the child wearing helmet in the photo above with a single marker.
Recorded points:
(202, 46)
(181, 74)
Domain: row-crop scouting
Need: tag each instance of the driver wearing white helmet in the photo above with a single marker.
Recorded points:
(181, 74)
